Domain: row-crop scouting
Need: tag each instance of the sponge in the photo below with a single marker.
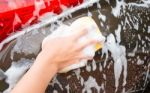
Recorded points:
(91, 26)
(93, 32)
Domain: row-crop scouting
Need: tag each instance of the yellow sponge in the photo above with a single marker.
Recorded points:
(88, 22)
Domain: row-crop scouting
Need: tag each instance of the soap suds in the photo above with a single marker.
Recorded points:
(116, 11)
(16, 21)
(118, 34)
(90, 83)
(132, 54)
(39, 4)
(94, 65)
(88, 68)
(2, 75)
(89, 14)
(67, 87)
(55, 81)
(101, 16)
(16, 71)
(77, 72)
(148, 29)
(55, 91)
(28, 44)
(118, 54)
(100, 67)
(139, 61)
(147, 74)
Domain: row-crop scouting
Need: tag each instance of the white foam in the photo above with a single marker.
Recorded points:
(16, 71)
(107, 1)
(148, 29)
(103, 87)
(139, 61)
(28, 44)
(104, 76)
(82, 81)
(147, 74)
(101, 16)
(145, 4)
(146, 1)
(77, 72)
(94, 65)
(88, 68)
(2, 74)
(90, 83)
(64, 8)
(67, 87)
(104, 51)
(118, 53)
(127, 22)
(55, 91)
(116, 11)
(123, 52)
(16, 20)
(100, 67)
(46, 16)
(98, 5)
(55, 81)
(89, 14)
(136, 23)
(39, 4)
(118, 34)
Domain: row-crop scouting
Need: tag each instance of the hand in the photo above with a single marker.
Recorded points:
(65, 51)
(56, 54)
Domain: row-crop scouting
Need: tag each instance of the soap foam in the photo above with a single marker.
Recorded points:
(91, 83)
(118, 54)
(16, 71)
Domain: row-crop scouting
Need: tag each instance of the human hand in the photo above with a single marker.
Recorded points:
(65, 51)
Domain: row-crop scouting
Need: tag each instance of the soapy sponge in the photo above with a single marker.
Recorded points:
(93, 32)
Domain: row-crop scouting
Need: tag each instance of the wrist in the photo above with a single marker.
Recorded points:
(47, 61)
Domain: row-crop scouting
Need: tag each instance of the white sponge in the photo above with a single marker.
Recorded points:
(93, 32)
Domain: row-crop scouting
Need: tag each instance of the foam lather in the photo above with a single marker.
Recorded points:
(93, 32)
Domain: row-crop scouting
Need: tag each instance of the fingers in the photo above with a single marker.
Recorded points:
(87, 43)
(80, 33)
(83, 56)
